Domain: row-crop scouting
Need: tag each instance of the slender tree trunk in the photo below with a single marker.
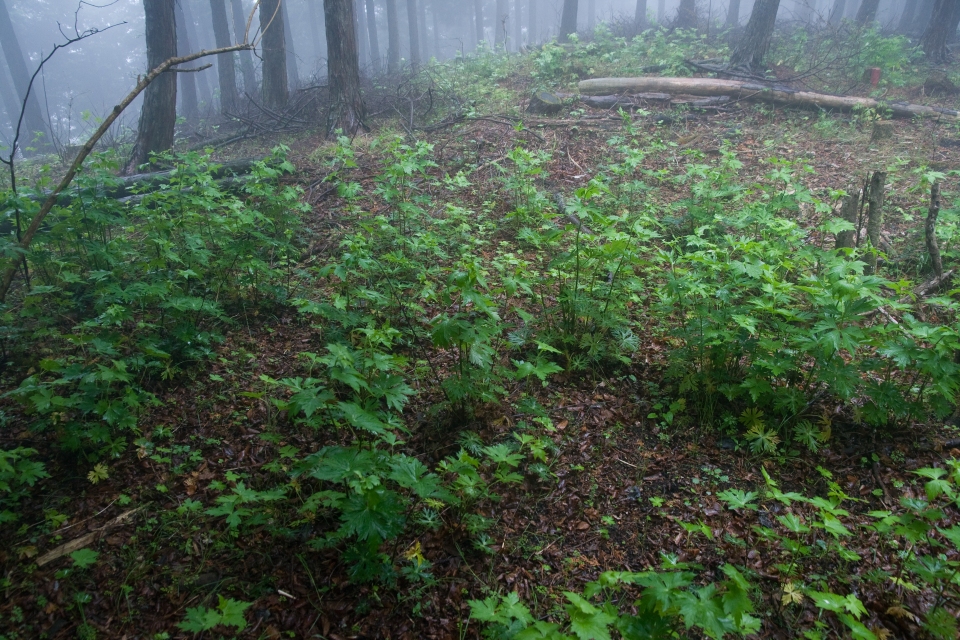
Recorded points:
(533, 24)
(425, 54)
(9, 96)
(836, 14)
(34, 124)
(930, 230)
(499, 25)
(849, 211)
(158, 115)
(374, 36)
(640, 15)
(346, 101)
(756, 38)
(568, 19)
(393, 37)
(246, 58)
(203, 77)
(414, 29)
(906, 18)
(360, 23)
(943, 24)
(517, 25)
(435, 16)
(290, 51)
(189, 101)
(687, 15)
(874, 219)
(733, 14)
(226, 67)
(478, 13)
(275, 88)
(867, 13)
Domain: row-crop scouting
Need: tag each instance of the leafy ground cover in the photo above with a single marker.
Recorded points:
(520, 377)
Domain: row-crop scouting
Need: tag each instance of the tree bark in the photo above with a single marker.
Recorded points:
(943, 24)
(275, 88)
(393, 37)
(414, 29)
(836, 14)
(930, 229)
(374, 37)
(424, 40)
(34, 124)
(205, 93)
(568, 19)
(226, 67)
(922, 19)
(848, 211)
(906, 18)
(189, 99)
(500, 25)
(246, 58)
(478, 20)
(733, 15)
(755, 42)
(686, 15)
(9, 96)
(874, 219)
(867, 13)
(347, 110)
(158, 115)
(640, 14)
(290, 52)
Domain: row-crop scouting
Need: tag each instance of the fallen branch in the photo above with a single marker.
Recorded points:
(740, 90)
(84, 540)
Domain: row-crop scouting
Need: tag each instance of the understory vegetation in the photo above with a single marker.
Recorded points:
(444, 311)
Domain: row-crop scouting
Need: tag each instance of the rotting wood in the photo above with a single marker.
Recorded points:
(742, 90)
(930, 229)
(84, 540)
(848, 211)
(874, 198)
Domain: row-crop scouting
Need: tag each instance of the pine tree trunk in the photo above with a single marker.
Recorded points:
(640, 15)
(246, 58)
(906, 18)
(414, 30)
(359, 23)
(343, 68)
(733, 14)
(226, 67)
(393, 37)
(293, 74)
(836, 14)
(867, 13)
(34, 124)
(275, 88)
(943, 24)
(158, 115)
(189, 100)
(568, 19)
(923, 16)
(374, 37)
(755, 41)
(533, 24)
(500, 25)
(204, 92)
(478, 20)
(687, 15)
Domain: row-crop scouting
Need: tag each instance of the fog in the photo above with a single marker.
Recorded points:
(85, 79)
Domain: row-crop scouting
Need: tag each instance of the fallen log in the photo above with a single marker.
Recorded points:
(740, 90)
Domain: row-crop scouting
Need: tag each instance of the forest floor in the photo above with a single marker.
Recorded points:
(625, 475)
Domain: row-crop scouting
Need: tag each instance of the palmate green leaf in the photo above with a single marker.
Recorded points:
(587, 621)
(858, 630)
(410, 473)
(231, 612)
(363, 419)
(83, 558)
(199, 619)
(336, 464)
(738, 499)
(374, 514)
(542, 631)
(503, 454)
(940, 624)
(953, 535)
(702, 608)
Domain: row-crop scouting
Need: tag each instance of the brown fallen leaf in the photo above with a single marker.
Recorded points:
(582, 526)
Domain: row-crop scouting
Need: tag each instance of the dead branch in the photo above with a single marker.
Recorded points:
(930, 229)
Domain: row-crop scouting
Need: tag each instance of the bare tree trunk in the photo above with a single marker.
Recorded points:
(753, 45)
(906, 18)
(943, 24)
(158, 116)
(425, 54)
(517, 26)
(34, 124)
(393, 37)
(848, 211)
(533, 24)
(733, 14)
(435, 16)
(687, 15)
(874, 219)
(923, 16)
(930, 229)
(836, 14)
(374, 37)
(347, 110)
(189, 100)
(246, 58)
(500, 25)
(204, 91)
(478, 22)
(414, 29)
(867, 13)
(640, 14)
(225, 68)
(360, 20)
(9, 96)
(275, 88)
(293, 74)
(568, 19)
